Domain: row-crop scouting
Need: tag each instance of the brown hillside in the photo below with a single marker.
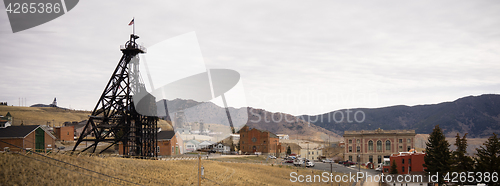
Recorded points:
(42, 115)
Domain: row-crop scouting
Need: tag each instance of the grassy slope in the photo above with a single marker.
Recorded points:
(40, 116)
(20, 170)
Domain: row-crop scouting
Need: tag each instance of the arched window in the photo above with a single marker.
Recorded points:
(388, 145)
(379, 146)
(370, 145)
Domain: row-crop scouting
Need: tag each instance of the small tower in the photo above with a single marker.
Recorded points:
(54, 103)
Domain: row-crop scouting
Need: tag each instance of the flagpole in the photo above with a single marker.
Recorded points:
(133, 24)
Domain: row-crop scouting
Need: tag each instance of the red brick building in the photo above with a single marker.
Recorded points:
(407, 163)
(254, 140)
(168, 144)
(29, 137)
(66, 133)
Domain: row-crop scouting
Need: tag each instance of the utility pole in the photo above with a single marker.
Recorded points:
(199, 168)
(331, 171)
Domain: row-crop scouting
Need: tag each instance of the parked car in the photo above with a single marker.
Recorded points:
(298, 162)
(327, 161)
(309, 163)
(289, 161)
(272, 157)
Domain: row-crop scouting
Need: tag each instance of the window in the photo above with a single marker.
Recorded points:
(157, 149)
(350, 148)
(403, 169)
(312, 153)
(243, 135)
(408, 140)
(370, 158)
(379, 146)
(350, 141)
(388, 145)
(400, 140)
(409, 148)
(402, 161)
(264, 141)
(370, 145)
(309, 153)
(350, 158)
(357, 141)
(409, 162)
(242, 142)
(172, 149)
(409, 169)
(358, 149)
(254, 139)
(379, 159)
(400, 148)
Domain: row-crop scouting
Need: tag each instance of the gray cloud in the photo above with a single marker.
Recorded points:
(398, 52)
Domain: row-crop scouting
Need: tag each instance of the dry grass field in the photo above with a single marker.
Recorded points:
(40, 116)
(18, 169)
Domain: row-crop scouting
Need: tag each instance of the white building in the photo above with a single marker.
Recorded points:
(312, 154)
(283, 136)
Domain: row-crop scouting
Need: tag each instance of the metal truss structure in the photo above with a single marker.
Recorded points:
(115, 120)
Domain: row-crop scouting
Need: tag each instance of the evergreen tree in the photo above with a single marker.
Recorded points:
(288, 151)
(394, 168)
(461, 162)
(488, 156)
(438, 156)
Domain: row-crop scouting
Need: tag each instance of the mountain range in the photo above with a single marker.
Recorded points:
(479, 116)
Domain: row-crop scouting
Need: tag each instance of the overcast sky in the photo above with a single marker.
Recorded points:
(294, 57)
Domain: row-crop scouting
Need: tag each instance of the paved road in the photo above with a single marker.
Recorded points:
(338, 168)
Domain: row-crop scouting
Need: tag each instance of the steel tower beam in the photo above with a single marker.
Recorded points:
(114, 119)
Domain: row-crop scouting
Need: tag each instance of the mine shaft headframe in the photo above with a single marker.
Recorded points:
(114, 119)
(131, 47)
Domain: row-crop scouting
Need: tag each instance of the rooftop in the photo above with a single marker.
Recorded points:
(379, 131)
(17, 131)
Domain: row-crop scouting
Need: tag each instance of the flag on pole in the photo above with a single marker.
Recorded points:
(131, 22)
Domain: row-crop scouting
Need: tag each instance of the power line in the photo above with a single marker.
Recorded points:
(67, 169)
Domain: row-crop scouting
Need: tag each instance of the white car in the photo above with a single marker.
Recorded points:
(309, 164)
(327, 161)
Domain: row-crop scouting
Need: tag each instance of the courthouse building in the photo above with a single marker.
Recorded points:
(373, 145)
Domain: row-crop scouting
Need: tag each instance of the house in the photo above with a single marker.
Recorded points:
(254, 141)
(220, 147)
(6, 120)
(407, 162)
(373, 145)
(206, 144)
(191, 145)
(29, 137)
(169, 143)
(65, 133)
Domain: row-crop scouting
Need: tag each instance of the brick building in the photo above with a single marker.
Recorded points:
(257, 141)
(407, 163)
(169, 143)
(29, 137)
(373, 145)
(65, 133)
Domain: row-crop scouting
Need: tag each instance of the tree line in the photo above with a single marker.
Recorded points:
(441, 160)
